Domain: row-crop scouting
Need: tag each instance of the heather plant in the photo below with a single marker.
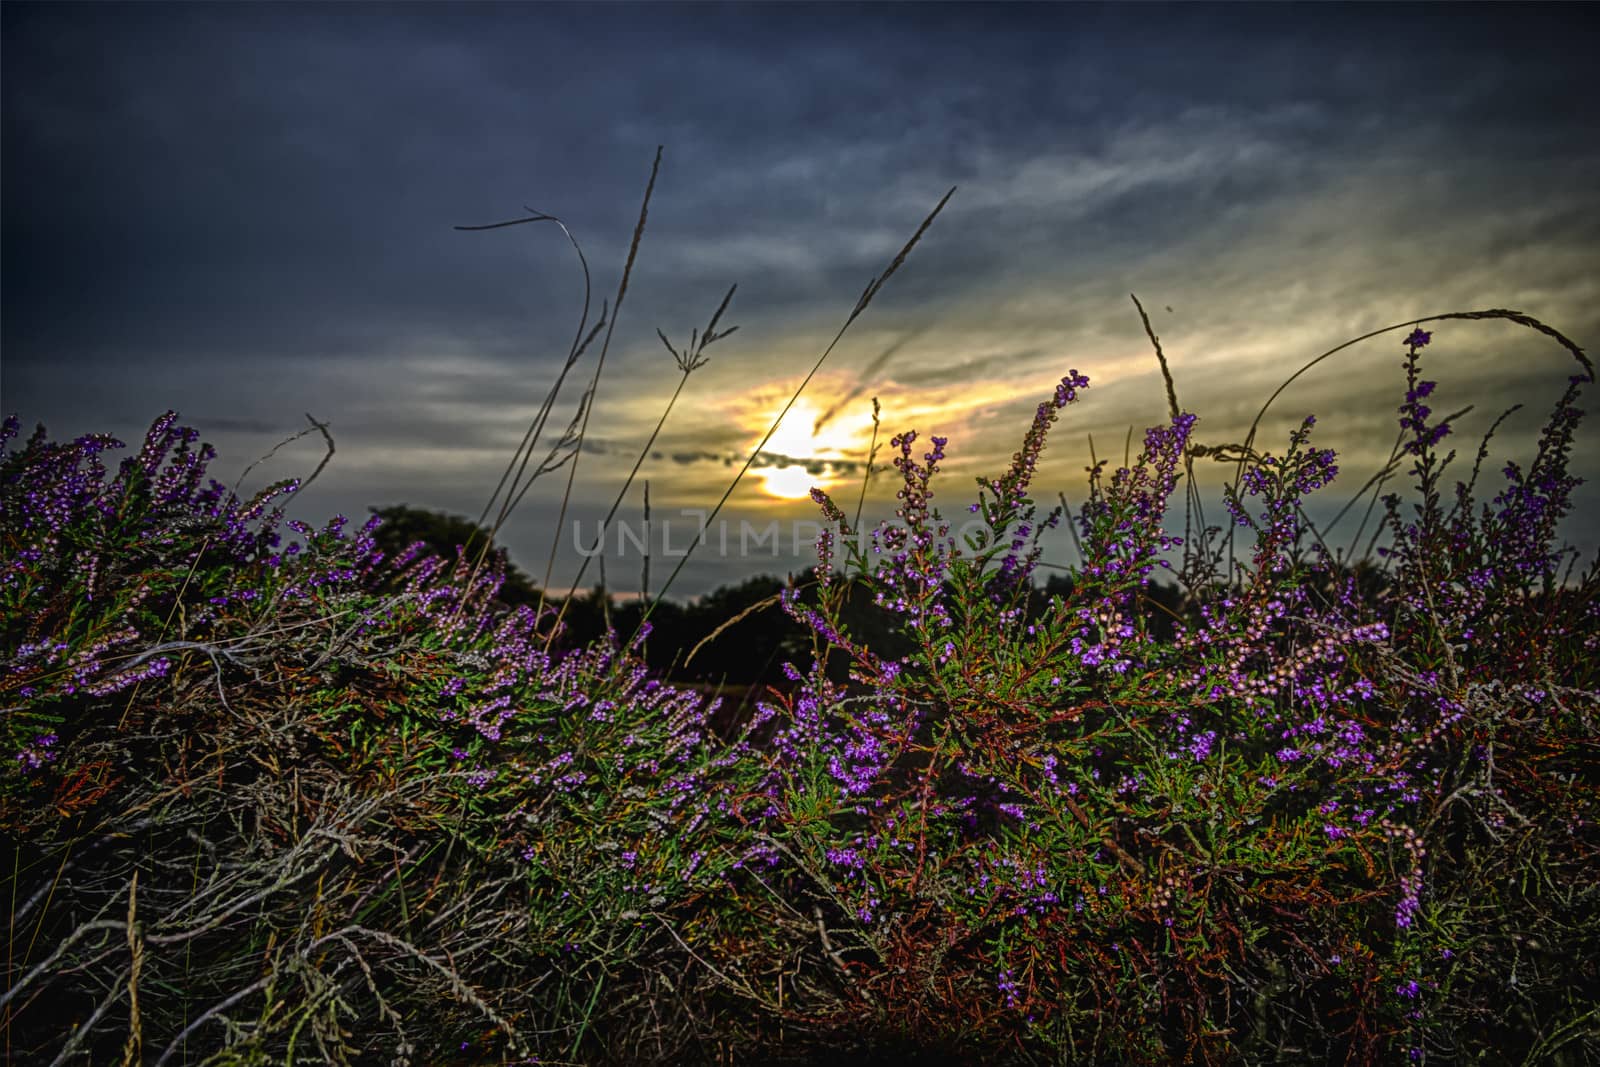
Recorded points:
(418, 828)
(248, 845)
(1100, 845)
(322, 801)
(403, 526)
(358, 812)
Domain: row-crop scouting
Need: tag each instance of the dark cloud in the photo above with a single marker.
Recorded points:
(762, 460)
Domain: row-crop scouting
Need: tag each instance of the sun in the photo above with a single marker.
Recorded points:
(798, 438)
(789, 483)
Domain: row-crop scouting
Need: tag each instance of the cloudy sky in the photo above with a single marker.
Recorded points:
(247, 213)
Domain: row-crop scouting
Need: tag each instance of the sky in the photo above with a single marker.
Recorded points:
(247, 213)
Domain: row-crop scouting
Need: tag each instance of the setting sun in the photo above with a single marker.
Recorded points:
(789, 483)
(801, 441)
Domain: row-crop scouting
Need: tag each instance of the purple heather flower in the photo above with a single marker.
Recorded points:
(1008, 985)
(36, 755)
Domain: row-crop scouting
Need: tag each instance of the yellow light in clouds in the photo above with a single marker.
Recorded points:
(794, 438)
